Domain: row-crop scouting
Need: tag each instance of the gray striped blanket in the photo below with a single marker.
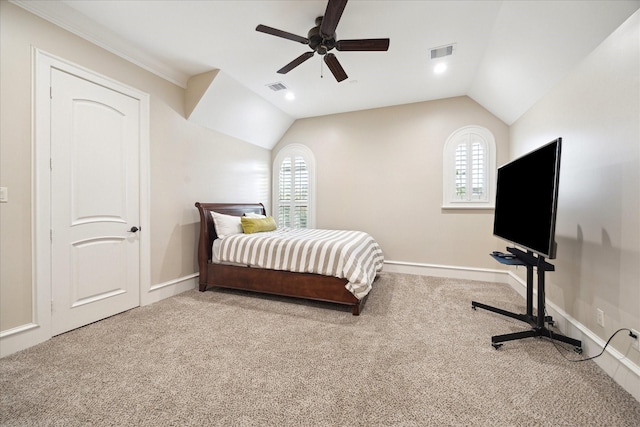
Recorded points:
(352, 255)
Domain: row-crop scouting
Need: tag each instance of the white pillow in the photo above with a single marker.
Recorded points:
(226, 225)
(254, 215)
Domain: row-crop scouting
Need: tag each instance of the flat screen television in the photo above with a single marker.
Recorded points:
(527, 200)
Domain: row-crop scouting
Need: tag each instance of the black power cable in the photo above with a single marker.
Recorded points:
(631, 334)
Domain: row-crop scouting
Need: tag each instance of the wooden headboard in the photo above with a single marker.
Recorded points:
(208, 230)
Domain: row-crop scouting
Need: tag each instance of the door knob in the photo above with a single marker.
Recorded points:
(134, 229)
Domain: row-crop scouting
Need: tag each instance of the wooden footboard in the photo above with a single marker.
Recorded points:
(276, 282)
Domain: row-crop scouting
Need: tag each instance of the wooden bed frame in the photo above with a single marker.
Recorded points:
(277, 282)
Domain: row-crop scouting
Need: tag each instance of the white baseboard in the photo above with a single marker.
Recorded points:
(25, 336)
(454, 272)
(21, 337)
(170, 288)
(612, 362)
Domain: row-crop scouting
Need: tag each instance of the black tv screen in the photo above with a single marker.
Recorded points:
(527, 199)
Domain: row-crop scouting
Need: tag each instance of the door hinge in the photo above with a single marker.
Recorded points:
(50, 92)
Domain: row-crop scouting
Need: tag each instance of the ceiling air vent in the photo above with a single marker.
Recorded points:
(277, 86)
(439, 52)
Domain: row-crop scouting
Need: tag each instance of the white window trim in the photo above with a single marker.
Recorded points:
(306, 153)
(448, 169)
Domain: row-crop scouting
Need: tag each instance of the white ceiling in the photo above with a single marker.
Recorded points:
(508, 53)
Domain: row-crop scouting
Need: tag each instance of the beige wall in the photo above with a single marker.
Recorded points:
(381, 171)
(188, 163)
(377, 170)
(596, 110)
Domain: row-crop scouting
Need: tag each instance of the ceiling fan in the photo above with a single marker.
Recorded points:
(322, 38)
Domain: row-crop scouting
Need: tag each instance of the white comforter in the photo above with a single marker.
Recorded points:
(352, 255)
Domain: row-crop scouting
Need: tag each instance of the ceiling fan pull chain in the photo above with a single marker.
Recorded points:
(321, 69)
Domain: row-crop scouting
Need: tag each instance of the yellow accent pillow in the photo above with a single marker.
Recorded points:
(256, 225)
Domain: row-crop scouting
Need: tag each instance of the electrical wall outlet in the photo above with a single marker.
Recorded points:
(636, 341)
(600, 317)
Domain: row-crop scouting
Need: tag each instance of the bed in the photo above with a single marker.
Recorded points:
(320, 287)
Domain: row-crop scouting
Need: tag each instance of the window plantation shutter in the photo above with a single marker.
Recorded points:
(470, 170)
(301, 180)
(461, 172)
(478, 165)
(284, 201)
(293, 197)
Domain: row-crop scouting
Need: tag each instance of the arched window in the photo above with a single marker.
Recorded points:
(294, 187)
(469, 169)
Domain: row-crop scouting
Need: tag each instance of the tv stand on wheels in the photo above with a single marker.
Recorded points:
(537, 322)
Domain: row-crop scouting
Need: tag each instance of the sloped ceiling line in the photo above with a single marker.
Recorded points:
(215, 100)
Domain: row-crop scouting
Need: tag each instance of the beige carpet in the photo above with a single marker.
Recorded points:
(418, 355)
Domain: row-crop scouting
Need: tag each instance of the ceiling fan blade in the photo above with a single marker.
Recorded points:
(363, 45)
(283, 34)
(332, 17)
(293, 64)
(335, 67)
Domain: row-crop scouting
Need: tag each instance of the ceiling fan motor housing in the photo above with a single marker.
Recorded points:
(317, 42)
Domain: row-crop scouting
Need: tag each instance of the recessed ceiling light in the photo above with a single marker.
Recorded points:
(440, 68)
(290, 96)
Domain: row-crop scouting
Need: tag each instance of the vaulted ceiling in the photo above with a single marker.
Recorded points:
(506, 55)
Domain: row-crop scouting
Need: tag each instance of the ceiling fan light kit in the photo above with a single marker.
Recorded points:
(322, 39)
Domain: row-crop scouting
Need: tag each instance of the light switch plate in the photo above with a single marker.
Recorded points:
(4, 194)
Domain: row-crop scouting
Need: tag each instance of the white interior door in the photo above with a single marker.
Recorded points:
(95, 201)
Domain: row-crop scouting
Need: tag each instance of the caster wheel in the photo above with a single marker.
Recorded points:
(496, 346)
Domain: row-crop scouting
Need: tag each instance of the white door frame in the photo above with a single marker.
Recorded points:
(39, 329)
